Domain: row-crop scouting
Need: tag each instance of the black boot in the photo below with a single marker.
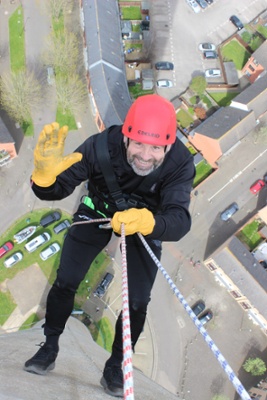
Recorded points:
(112, 380)
(43, 361)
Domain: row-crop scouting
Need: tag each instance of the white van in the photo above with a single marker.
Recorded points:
(37, 242)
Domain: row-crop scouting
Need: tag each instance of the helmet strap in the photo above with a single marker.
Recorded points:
(126, 141)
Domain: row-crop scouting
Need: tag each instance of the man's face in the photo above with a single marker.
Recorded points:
(144, 158)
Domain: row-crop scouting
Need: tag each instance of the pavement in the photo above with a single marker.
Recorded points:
(17, 198)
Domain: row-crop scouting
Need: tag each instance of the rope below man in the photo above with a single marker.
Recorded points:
(138, 174)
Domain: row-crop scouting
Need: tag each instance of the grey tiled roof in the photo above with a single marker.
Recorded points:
(105, 56)
(245, 272)
(219, 123)
(252, 91)
(5, 136)
(261, 54)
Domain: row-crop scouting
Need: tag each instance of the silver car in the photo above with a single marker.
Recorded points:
(229, 212)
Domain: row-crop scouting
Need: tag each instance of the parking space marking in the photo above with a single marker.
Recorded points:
(181, 322)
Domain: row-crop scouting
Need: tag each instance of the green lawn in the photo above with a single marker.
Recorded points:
(233, 51)
(7, 306)
(17, 41)
(252, 39)
(250, 235)
(32, 320)
(66, 119)
(223, 99)
(137, 91)
(131, 12)
(203, 170)
(262, 30)
(184, 119)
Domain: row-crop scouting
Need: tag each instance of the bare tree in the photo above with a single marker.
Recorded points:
(71, 93)
(62, 52)
(58, 7)
(20, 93)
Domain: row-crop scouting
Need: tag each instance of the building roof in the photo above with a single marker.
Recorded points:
(231, 73)
(105, 59)
(261, 54)
(126, 26)
(251, 92)
(220, 122)
(245, 272)
(5, 136)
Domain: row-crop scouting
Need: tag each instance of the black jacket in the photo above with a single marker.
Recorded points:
(168, 198)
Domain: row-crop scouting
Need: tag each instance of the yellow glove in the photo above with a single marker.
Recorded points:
(49, 161)
(135, 220)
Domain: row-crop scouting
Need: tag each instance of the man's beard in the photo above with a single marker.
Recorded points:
(140, 171)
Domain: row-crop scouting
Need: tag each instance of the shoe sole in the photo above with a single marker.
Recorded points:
(118, 393)
(35, 370)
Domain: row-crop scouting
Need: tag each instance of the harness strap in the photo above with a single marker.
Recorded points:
(107, 170)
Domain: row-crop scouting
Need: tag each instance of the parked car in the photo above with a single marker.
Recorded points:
(164, 65)
(14, 259)
(50, 76)
(5, 248)
(257, 186)
(203, 4)
(60, 227)
(229, 212)
(50, 251)
(210, 54)
(198, 307)
(103, 286)
(144, 26)
(236, 21)
(193, 4)
(206, 46)
(50, 218)
(164, 83)
(213, 73)
(37, 242)
(206, 317)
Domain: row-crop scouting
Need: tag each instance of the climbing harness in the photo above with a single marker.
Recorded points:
(127, 348)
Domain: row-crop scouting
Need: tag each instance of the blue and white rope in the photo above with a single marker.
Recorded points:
(224, 364)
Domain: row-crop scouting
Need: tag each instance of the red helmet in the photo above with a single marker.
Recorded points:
(151, 120)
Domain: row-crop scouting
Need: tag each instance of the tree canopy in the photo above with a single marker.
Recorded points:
(256, 366)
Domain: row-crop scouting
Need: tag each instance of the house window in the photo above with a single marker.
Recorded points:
(211, 266)
(235, 294)
(245, 305)
(251, 68)
(247, 73)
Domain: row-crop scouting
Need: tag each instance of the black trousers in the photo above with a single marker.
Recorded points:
(82, 244)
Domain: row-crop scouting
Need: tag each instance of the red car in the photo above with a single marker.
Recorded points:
(257, 186)
(5, 248)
